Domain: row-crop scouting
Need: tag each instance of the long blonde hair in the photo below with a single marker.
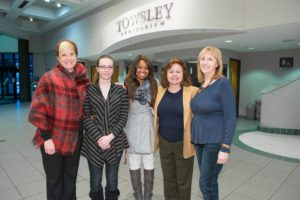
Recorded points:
(216, 53)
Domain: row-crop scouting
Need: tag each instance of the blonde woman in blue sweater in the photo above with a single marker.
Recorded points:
(214, 120)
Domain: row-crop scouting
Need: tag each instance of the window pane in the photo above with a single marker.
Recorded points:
(8, 63)
(8, 56)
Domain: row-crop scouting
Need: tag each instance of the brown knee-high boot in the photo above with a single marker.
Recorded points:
(148, 183)
(135, 176)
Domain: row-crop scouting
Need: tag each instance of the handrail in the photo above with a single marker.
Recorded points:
(272, 88)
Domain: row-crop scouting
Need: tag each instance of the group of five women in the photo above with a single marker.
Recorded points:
(100, 120)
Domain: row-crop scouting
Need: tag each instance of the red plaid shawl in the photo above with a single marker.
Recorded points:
(57, 107)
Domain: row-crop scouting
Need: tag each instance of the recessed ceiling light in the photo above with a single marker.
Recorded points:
(31, 19)
(228, 41)
(288, 40)
(251, 48)
(129, 54)
(58, 5)
(47, 1)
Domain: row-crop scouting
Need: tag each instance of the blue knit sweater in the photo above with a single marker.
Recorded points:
(214, 114)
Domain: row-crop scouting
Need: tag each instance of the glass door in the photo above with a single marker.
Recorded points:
(1, 86)
(8, 84)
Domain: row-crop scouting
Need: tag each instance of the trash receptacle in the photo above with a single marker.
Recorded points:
(250, 111)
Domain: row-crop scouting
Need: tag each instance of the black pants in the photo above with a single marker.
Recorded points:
(61, 173)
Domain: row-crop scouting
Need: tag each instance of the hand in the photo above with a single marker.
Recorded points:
(222, 157)
(104, 141)
(101, 144)
(125, 156)
(49, 147)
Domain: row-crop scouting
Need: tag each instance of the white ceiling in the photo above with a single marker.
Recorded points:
(159, 47)
(46, 16)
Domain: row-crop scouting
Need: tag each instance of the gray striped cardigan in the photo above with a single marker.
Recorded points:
(103, 117)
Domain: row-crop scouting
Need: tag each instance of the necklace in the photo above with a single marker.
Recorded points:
(201, 88)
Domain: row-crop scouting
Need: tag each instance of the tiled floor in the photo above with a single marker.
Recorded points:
(247, 176)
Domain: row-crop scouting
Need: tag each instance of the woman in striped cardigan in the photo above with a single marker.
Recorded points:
(106, 110)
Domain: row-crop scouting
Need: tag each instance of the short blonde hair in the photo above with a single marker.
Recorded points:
(71, 43)
(216, 53)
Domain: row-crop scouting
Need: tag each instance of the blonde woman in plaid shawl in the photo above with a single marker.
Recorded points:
(56, 110)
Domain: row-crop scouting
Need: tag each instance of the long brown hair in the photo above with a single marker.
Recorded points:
(186, 79)
(132, 83)
(96, 75)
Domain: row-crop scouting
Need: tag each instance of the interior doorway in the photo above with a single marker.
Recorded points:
(192, 69)
(234, 77)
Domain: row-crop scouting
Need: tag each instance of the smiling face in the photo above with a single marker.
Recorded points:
(175, 75)
(105, 68)
(142, 71)
(208, 64)
(67, 57)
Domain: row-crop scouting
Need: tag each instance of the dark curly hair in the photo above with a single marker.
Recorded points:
(132, 83)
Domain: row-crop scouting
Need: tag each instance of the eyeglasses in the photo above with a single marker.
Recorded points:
(105, 67)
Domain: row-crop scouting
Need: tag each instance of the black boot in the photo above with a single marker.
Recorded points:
(96, 195)
(148, 183)
(112, 195)
(135, 176)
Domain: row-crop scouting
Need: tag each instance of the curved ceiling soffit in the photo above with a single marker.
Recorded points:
(165, 38)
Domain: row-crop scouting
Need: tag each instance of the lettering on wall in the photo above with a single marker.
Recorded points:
(145, 20)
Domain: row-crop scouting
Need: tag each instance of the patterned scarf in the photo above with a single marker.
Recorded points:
(143, 93)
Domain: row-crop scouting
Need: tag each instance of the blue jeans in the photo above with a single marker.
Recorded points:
(207, 155)
(111, 173)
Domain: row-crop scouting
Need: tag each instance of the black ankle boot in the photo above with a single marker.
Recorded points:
(112, 195)
(96, 195)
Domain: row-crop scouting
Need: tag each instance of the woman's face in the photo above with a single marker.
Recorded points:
(142, 71)
(67, 57)
(208, 64)
(105, 69)
(175, 75)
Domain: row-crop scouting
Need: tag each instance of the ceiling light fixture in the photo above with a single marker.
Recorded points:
(228, 41)
(31, 19)
(47, 1)
(58, 4)
(251, 48)
(288, 40)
